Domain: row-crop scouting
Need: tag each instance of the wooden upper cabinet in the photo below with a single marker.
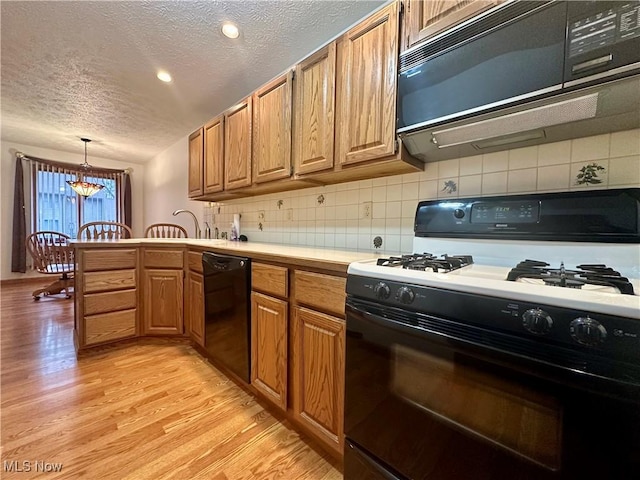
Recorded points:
(425, 18)
(237, 146)
(366, 102)
(272, 130)
(315, 90)
(195, 163)
(214, 155)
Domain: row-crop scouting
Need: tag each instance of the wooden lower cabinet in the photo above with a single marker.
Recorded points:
(194, 307)
(163, 302)
(269, 347)
(318, 374)
(106, 296)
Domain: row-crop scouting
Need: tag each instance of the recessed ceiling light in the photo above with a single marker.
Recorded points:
(230, 30)
(164, 76)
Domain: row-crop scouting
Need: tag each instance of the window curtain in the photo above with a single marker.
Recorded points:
(19, 235)
(127, 200)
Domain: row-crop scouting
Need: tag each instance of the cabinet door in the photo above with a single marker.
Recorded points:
(237, 146)
(425, 18)
(315, 86)
(214, 155)
(318, 381)
(163, 300)
(366, 102)
(269, 347)
(195, 307)
(195, 163)
(272, 130)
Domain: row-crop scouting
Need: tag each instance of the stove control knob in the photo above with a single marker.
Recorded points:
(537, 321)
(405, 295)
(382, 291)
(587, 331)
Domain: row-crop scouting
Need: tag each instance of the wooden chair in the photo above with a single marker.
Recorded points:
(52, 255)
(104, 231)
(165, 230)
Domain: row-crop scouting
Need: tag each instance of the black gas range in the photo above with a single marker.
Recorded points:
(482, 354)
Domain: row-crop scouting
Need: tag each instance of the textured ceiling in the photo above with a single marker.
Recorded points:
(76, 68)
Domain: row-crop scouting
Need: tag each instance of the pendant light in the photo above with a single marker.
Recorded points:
(86, 189)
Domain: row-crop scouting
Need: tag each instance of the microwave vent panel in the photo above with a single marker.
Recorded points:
(580, 108)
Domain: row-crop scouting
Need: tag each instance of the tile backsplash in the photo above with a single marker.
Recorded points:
(350, 215)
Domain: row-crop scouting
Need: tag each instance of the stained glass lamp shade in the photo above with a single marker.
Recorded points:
(86, 189)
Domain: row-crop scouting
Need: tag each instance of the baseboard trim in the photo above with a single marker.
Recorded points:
(26, 281)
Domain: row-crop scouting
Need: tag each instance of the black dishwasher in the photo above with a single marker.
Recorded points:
(227, 284)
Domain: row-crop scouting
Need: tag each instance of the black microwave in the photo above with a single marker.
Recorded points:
(516, 52)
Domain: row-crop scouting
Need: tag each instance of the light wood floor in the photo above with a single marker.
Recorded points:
(145, 411)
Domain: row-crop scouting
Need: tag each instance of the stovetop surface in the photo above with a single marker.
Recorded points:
(491, 280)
(598, 277)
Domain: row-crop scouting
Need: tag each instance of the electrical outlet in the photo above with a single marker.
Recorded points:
(289, 215)
(366, 210)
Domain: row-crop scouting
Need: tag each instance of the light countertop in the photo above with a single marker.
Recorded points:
(322, 257)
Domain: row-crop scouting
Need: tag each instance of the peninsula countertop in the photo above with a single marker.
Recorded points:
(331, 259)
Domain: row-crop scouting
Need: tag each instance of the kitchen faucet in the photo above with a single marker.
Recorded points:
(195, 220)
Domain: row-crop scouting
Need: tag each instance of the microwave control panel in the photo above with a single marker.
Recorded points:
(619, 22)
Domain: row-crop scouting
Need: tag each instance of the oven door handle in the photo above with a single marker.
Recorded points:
(558, 363)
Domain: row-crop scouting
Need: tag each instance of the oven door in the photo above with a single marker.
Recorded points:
(427, 404)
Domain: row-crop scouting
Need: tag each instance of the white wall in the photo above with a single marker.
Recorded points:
(166, 188)
(7, 174)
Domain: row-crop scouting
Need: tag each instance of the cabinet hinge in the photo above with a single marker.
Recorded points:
(293, 75)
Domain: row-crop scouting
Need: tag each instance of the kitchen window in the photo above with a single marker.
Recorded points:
(57, 207)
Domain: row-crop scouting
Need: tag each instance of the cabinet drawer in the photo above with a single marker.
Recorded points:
(324, 292)
(109, 326)
(109, 302)
(109, 281)
(163, 258)
(194, 260)
(269, 279)
(109, 259)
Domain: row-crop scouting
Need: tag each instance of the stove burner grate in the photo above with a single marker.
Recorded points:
(427, 261)
(585, 274)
